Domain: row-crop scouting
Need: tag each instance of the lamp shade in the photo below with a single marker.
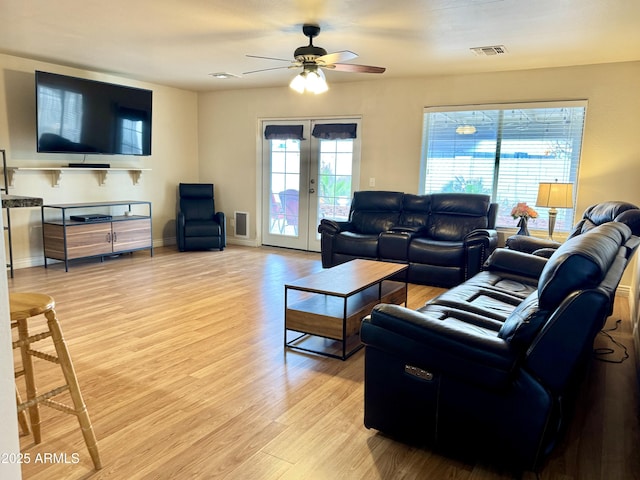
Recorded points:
(299, 82)
(310, 80)
(555, 195)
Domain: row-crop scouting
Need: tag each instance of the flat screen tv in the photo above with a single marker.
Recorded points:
(76, 115)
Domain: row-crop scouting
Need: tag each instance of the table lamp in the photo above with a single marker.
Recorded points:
(552, 196)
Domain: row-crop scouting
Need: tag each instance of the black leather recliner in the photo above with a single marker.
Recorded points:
(459, 236)
(490, 370)
(612, 211)
(198, 225)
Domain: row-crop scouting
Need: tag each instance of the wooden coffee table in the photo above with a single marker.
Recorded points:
(332, 303)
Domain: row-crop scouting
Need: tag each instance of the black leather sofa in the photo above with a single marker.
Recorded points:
(490, 369)
(445, 238)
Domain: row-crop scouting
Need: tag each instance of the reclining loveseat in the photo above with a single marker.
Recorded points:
(490, 369)
(445, 237)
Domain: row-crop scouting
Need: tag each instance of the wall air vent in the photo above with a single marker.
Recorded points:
(241, 224)
(489, 51)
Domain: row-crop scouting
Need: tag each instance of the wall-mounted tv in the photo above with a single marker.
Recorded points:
(76, 115)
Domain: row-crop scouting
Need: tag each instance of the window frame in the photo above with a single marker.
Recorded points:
(571, 163)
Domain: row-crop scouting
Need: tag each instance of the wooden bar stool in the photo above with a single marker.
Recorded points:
(22, 416)
(24, 306)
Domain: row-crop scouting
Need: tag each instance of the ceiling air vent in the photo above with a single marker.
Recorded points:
(489, 51)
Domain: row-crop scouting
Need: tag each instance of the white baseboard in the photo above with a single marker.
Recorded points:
(164, 242)
(242, 241)
(30, 262)
(623, 291)
(230, 241)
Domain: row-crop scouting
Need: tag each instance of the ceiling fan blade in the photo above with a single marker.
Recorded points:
(331, 58)
(270, 58)
(267, 69)
(349, 67)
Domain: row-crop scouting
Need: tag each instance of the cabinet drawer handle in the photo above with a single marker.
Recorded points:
(108, 238)
(115, 237)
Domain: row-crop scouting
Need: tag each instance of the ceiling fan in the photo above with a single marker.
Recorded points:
(313, 59)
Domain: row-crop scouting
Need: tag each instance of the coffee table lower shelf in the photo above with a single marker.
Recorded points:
(329, 324)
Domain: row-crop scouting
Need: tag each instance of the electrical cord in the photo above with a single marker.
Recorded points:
(599, 353)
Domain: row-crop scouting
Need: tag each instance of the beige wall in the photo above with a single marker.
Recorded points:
(174, 159)
(213, 137)
(391, 130)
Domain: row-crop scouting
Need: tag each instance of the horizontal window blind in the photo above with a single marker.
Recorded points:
(504, 151)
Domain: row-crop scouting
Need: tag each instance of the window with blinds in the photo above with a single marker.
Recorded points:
(504, 151)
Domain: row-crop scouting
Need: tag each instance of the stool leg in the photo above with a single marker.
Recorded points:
(29, 378)
(22, 416)
(74, 389)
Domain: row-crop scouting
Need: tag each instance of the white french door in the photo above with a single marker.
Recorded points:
(305, 179)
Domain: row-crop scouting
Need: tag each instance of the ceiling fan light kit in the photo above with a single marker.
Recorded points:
(313, 59)
(312, 81)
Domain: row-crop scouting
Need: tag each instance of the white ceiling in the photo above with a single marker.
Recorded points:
(179, 42)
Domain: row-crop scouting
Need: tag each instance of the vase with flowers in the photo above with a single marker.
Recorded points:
(523, 213)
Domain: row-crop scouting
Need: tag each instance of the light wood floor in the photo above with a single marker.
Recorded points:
(181, 364)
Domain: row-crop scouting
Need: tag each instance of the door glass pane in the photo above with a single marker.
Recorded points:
(334, 179)
(285, 184)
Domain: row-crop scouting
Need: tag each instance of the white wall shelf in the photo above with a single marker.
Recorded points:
(56, 173)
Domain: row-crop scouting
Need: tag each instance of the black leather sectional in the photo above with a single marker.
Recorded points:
(490, 369)
(445, 238)
(610, 211)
